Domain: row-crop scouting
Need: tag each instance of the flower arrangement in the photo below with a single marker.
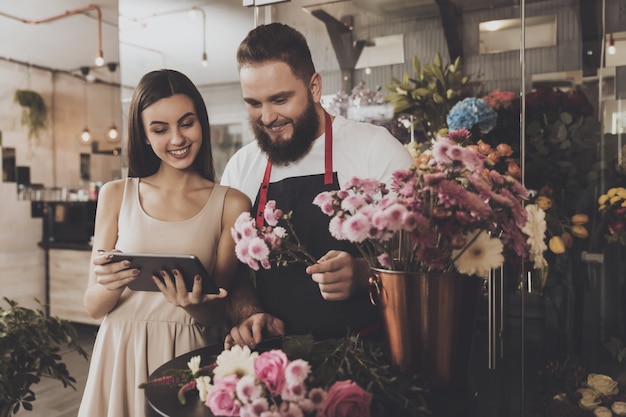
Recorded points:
(577, 393)
(270, 244)
(448, 213)
(250, 384)
(428, 95)
(331, 378)
(561, 229)
(557, 125)
(561, 141)
(612, 205)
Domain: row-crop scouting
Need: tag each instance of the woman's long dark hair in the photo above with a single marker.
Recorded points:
(154, 86)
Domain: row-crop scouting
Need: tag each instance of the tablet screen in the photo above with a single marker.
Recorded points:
(152, 263)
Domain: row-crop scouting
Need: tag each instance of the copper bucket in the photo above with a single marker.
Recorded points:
(429, 320)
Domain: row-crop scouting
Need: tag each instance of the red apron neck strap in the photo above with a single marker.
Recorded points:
(328, 149)
(263, 194)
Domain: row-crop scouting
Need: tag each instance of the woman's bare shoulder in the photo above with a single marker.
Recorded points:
(237, 201)
(111, 192)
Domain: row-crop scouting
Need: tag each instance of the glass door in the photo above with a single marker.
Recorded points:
(544, 330)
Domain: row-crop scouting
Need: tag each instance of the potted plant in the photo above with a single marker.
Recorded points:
(30, 343)
(34, 111)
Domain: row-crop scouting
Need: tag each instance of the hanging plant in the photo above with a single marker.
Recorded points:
(34, 111)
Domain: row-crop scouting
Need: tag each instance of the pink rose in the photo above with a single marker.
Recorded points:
(220, 398)
(346, 399)
(269, 367)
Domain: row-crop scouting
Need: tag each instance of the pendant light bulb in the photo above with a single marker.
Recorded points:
(205, 60)
(611, 49)
(113, 134)
(99, 59)
(85, 137)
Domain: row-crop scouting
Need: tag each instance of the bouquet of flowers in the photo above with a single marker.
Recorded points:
(260, 247)
(612, 205)
(246, 383)
(330, 378)
(450, 212)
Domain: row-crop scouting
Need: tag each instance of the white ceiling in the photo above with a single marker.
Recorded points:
(145, 35)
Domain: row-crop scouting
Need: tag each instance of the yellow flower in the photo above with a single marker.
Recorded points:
(589, 398)
(580, 231)
(603, 199)
(543, 202)
(556, 245)
(579, 219)
(604, 384)
(612, 192)
(615, 199)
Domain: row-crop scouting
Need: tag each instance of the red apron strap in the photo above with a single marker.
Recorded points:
(328, 150)
(263, 194)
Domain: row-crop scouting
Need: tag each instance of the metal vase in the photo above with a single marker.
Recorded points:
(429, 320)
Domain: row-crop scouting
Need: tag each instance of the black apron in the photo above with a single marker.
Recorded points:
(289, 293)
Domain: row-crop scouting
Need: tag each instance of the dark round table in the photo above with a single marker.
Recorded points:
(163, 400)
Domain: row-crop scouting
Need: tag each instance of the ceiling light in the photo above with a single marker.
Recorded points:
(99, 59)
(113, 134)
(205, 61)
(85, 136)
(100, 55)
(611, 49)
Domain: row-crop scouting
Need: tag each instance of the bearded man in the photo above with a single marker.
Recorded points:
(299, 152)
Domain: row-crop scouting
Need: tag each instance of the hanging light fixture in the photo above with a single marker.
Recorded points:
(99, 55)
(611, 49)
(112, 134)
(85, 136)
(205, 61)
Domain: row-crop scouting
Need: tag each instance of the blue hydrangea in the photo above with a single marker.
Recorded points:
(470, 112)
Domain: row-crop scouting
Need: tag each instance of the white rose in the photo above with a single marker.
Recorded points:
(619, 408)
(602, 412)
(590, 398)
(605, 385)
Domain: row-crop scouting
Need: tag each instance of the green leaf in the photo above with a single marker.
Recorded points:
(416, 66)
(438, 62)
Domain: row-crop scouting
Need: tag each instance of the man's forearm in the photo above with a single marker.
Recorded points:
(242, 300)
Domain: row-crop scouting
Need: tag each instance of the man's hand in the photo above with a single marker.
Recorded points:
(251, 331)
(338, 275)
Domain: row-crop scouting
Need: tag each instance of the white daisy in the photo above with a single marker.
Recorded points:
(484, 254)
(535, 228)
(238, 361)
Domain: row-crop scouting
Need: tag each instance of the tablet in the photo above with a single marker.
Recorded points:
(152, 263)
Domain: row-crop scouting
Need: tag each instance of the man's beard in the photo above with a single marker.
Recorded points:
(304, 134)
